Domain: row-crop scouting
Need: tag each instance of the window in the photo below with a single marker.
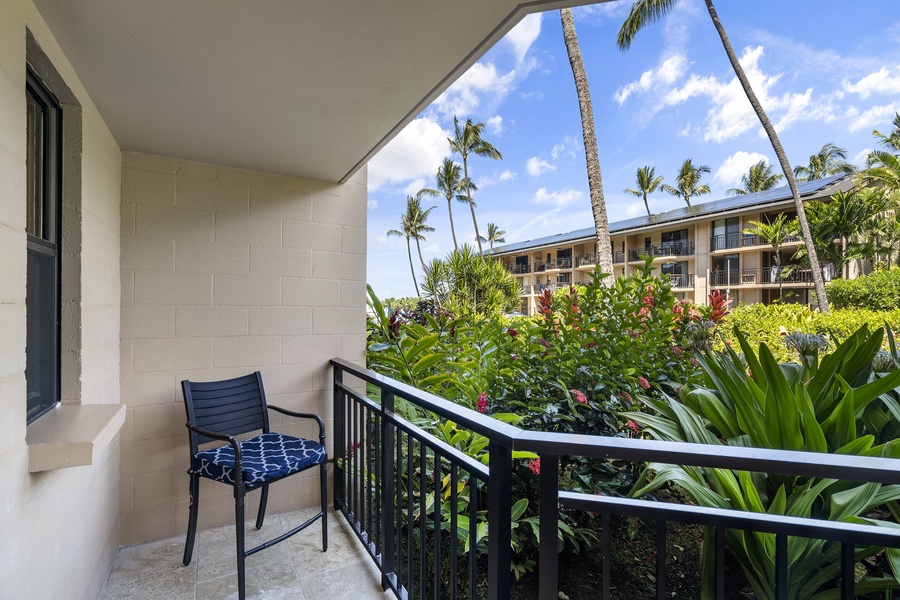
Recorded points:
(42, 295)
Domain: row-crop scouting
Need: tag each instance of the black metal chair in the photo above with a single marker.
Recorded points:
(220, 410)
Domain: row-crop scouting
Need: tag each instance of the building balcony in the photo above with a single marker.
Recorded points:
(518, 269)
(681, 280)
(586, 260)
(554, 264)
(740, 240)
(667, 249)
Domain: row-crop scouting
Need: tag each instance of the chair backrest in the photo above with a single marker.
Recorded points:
(229, 407)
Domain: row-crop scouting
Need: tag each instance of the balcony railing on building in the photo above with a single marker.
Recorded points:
(764, 276)
(681, 280)
(586, 260)
(664, 249)
(727, 241)
(519, 269)
(553, 263)
(388, 471)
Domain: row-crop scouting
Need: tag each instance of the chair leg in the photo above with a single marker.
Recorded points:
(262, 506)
(194, 491)
(239, 536)
(323, 475)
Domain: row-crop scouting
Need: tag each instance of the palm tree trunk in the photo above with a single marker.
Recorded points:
(818, 280)
(469, 198)
(452, 230)
(687, 200)
(646, 204)
(411, 269)
(595, 181)
(419, 249)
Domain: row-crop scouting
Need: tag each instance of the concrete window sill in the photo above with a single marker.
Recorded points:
(72, 435)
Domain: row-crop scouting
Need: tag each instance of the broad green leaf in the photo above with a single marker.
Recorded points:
(429, 360)
(519, 508)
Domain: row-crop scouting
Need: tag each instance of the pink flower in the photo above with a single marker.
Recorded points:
(676, 350)
(579, 396)
(543, 342)
(481, 405)
(512, 332)
(694, 362)
(535, 466)
(677, 309)
(635, 334)
(633, 426)
(590, 345)
(649, 289)
(624, 396)
(642, 381)
(645, 312)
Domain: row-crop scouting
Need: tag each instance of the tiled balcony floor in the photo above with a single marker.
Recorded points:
(295, 569)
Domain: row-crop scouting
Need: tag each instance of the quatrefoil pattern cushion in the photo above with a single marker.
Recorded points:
(265, 458)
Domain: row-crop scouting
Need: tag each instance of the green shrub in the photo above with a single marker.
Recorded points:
(878, 291)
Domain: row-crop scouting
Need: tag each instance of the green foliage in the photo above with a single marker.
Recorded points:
(878, 291)
(468, 284)
(833, 404)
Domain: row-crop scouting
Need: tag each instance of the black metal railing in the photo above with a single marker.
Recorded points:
(681, 280)
(734, 277)
(618, 257)
(388, 468)
(684, 248)
(518, 269)
(727, 241)
(776, 275)
(586, 260)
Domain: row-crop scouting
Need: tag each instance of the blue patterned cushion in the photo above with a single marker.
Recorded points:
(265, 458)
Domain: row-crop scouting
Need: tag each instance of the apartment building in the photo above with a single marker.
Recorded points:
(702, 248)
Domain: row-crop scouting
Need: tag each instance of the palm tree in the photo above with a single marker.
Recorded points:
(892, 140)
(774, 233)
(830, 160)
(688, 182)
(416, 218)
(494, 235)
(647, 183)
(759, 179)
(591, 157)
(467, 140)
(449, 184)
(404, 232)
(644, 12)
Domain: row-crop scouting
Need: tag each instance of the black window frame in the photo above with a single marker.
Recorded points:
(43, 245)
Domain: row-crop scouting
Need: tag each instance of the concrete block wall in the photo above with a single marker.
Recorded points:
(60, 528)
(227, 271)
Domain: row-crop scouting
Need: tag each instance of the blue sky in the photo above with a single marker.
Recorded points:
(825, 71)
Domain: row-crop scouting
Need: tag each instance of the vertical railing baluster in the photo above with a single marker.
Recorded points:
(398, 486)
(499, 522)
(364, 487)
(438, 480)
(848, 571)
(454, 529)
(339, 440)
(606, 544)
(660, 559)
(781, 567)
(548, 558)
(410, 462)
(357, 450)
(473, 533)
(423, 465)
(720, 563)
(378, 493)
(388, 491)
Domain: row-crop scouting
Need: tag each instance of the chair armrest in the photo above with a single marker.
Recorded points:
(238, 459)
(300, 415)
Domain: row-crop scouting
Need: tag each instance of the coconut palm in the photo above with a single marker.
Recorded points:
(404, 232)
(644, 12)
(467, 140)
(450, 185)
(647, 183)
(775, 233)
(759, 179)
(591, 157)
(830, 160)
(892, 140)
(687, 182)
(494, 235)
(416, 218)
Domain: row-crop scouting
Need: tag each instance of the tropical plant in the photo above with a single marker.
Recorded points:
(591, 157)
(647, 183)
(417, 218)
(883, 169)
(494, 235)
(775, 233)
(759, 179)
(644, 12)
(450, 185)
(829, 160)
(467, 140)
(833, 403)
(877, 291)
(407, 227)
(890, 141)
(687, 182)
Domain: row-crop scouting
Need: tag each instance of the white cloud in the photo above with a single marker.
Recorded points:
(668, 72)
(599, 13)
(465, 96)
(859, 159)
(883, 81)
(414, 186)
(873, 117)
(523, 35)
(371, 204)
(537, 166)
(495, 125)
(559, 199)
(495, 178)
(736, 165)
(568, 147)
(415, 152)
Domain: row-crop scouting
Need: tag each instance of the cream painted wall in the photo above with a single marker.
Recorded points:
(227, 271)
(60, 528)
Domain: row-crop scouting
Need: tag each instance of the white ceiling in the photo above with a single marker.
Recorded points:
(311, 88)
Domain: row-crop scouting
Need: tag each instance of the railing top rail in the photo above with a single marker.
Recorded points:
(477, 422)
(836, 531)
(786, 462)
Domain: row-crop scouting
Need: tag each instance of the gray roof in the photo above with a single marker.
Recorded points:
(808, 190)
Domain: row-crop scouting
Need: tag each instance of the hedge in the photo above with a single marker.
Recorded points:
(878, 291)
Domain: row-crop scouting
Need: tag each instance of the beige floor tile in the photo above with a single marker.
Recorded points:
(353, 582)
(270, 581)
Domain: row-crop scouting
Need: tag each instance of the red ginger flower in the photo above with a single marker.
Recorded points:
(579, 396)
(512, 332)
(644, 383)
(633, 426)
(481, 405)
(535, 466)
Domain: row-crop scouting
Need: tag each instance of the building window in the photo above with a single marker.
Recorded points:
(42, 295)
